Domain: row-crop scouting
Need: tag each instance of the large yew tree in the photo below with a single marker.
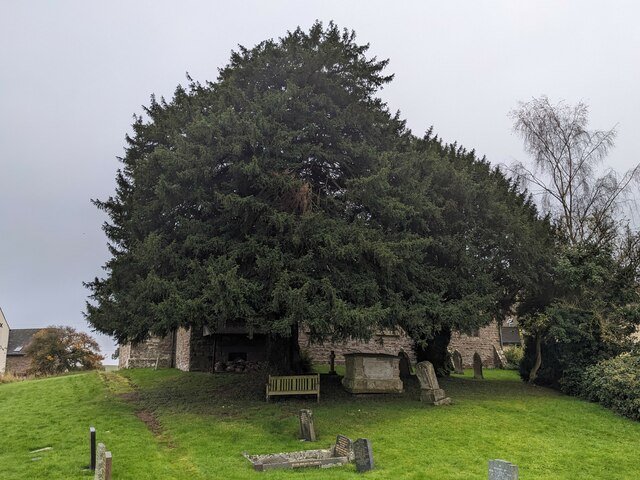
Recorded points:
(286, 193)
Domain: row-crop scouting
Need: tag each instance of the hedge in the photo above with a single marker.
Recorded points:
(615, 384)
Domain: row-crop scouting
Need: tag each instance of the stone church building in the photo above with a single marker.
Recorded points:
(200, 350)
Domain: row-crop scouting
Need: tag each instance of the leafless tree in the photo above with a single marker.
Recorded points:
(585, 203)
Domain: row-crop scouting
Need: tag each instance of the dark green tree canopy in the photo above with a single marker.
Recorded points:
(286, 192)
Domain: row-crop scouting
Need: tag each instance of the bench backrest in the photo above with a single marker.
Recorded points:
(294, 383)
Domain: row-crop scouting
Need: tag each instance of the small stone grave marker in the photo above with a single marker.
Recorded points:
(457, 362)
(45, 449)
(100, 462)
(450, 361)
(307, 430)
(108, 460)
(502, 470)
(477, 366)
(343, 447)
(332, 363)
(363, 455)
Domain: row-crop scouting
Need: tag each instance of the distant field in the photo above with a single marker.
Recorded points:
(168, 424)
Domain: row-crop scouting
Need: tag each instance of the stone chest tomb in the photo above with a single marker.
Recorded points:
(372, 373)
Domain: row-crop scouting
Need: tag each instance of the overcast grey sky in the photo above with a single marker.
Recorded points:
(72, 74)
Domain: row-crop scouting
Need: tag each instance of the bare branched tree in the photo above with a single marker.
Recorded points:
(586, 205)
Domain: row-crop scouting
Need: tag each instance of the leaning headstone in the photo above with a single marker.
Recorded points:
(363, 455)
(477, 366)
(343, 447)
(457, 362)
(307, 430)
(499, 358)
(405, 365)
(502, 470)
(427, 375)
(430, 391)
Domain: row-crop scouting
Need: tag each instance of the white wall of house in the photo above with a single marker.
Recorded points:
(4, 342)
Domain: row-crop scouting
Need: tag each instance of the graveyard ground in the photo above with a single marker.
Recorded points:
(168, 424)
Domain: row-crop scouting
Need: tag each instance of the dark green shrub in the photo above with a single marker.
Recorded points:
(615, 384)
(573, 342)
(305, 364)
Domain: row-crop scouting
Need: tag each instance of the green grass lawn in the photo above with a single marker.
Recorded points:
(168, 424)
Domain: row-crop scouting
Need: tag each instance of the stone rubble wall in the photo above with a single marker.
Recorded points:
(391, 343)
(467, 345)
(147, 353)
(183, 349)
(17, 365)
(193, 352)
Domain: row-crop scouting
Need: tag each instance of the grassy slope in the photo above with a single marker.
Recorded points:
(203, 422)
(57, 412)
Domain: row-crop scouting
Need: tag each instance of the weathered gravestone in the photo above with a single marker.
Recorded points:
(107, 465)
(363, 455)
(457, 362)
(452, 365)
(502, 470)
(430, 391)
(307, 430)
(100, 462)
(343, 447)
(372, 373)
(477, 366)
(405, 365)
(499, 358)
(295, 460)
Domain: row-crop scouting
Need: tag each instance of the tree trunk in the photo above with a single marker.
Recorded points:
(283, 353)
(536, 366)
(436, 352)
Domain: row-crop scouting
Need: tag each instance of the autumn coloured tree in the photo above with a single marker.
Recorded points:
(55, 350)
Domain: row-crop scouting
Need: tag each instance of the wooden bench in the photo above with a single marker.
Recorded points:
(294, 385)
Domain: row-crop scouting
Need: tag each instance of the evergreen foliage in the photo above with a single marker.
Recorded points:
(615, 383)
(590, 314)
(286, 192)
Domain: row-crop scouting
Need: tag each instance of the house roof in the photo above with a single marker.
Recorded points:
(3, 320)
(19, 340)
(510, 335)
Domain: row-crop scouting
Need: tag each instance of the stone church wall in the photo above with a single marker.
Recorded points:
(183, 349)
(391, 343)
(194, 352)
(483, 343)
(146, 354)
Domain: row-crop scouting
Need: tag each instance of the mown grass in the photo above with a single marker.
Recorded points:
(201, 423)
(57, 412)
